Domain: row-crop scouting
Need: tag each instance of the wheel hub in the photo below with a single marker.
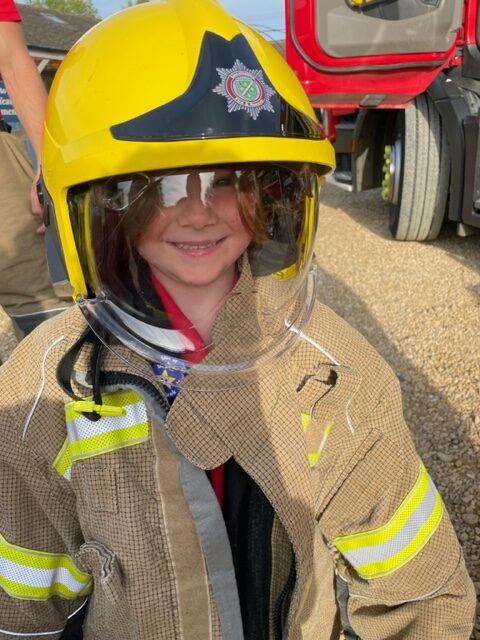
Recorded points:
(392, 156)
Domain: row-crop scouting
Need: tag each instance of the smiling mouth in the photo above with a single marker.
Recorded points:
(196, 246)
(197, 249)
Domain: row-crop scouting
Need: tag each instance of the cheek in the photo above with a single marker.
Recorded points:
(141, 247)
(151, 233)
(143, 242)
(235, 222)
(242, 235)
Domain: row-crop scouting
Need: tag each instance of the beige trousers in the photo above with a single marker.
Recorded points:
(26, 291)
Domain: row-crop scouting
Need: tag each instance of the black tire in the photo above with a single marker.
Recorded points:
(424, 166)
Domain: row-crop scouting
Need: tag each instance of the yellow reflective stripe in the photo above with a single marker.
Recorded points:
(394, 525)
(110, 441)
(40, 559)
(326, 433)
(378, 569)
(26, 592)
(305, 418)
(32, 574)
(86, 438)
(63, 461)
(380, 551)
(313, 457)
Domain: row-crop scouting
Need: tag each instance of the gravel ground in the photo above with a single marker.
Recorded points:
(418, 304)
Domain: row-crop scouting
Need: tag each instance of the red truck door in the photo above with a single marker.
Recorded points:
(370, 53)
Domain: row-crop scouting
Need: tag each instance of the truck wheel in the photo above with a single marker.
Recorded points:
(416, 173)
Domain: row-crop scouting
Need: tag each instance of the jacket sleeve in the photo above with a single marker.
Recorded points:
(41, 585)
(400, 569)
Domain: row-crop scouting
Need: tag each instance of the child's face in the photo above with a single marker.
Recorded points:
(197, 236)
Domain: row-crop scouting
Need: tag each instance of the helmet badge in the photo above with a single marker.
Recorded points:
(245, 89)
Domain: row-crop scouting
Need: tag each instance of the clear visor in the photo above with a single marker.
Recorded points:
(205, 269)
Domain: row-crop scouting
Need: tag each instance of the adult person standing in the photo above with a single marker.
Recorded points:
(22, 80)
(26, 291)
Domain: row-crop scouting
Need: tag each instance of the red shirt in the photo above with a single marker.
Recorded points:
(9, 11)
(180, 322)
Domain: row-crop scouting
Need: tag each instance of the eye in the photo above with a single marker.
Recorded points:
(224, 180)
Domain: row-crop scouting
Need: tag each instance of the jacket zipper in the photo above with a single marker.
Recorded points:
(112, 378)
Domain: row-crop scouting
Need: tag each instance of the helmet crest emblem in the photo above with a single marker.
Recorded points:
(245, 89)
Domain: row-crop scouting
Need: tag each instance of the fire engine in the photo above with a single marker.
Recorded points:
(397, 85)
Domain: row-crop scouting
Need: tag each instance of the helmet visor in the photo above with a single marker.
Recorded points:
(206, 267)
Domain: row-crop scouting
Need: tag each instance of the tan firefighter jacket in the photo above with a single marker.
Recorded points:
(119, 514)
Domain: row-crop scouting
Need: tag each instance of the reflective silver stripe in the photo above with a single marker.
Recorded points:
(213, 536)
(395, 545)
(379, 552)
(16, 634)
(39, 578)
(31, 574)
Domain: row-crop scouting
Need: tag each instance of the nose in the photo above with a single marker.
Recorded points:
(196, 211)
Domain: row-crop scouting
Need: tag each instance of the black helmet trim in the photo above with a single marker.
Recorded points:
(230, 96)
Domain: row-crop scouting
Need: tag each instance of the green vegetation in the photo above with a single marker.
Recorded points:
(79, 7)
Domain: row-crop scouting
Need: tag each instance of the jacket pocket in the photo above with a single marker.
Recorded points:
(109, 616)
(95, 483)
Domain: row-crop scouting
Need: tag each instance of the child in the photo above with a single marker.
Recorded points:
(199, 450)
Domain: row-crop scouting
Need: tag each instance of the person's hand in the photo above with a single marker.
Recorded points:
(37, 208)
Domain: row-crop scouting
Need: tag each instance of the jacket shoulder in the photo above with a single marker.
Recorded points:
(328, 341)
(33, 403)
